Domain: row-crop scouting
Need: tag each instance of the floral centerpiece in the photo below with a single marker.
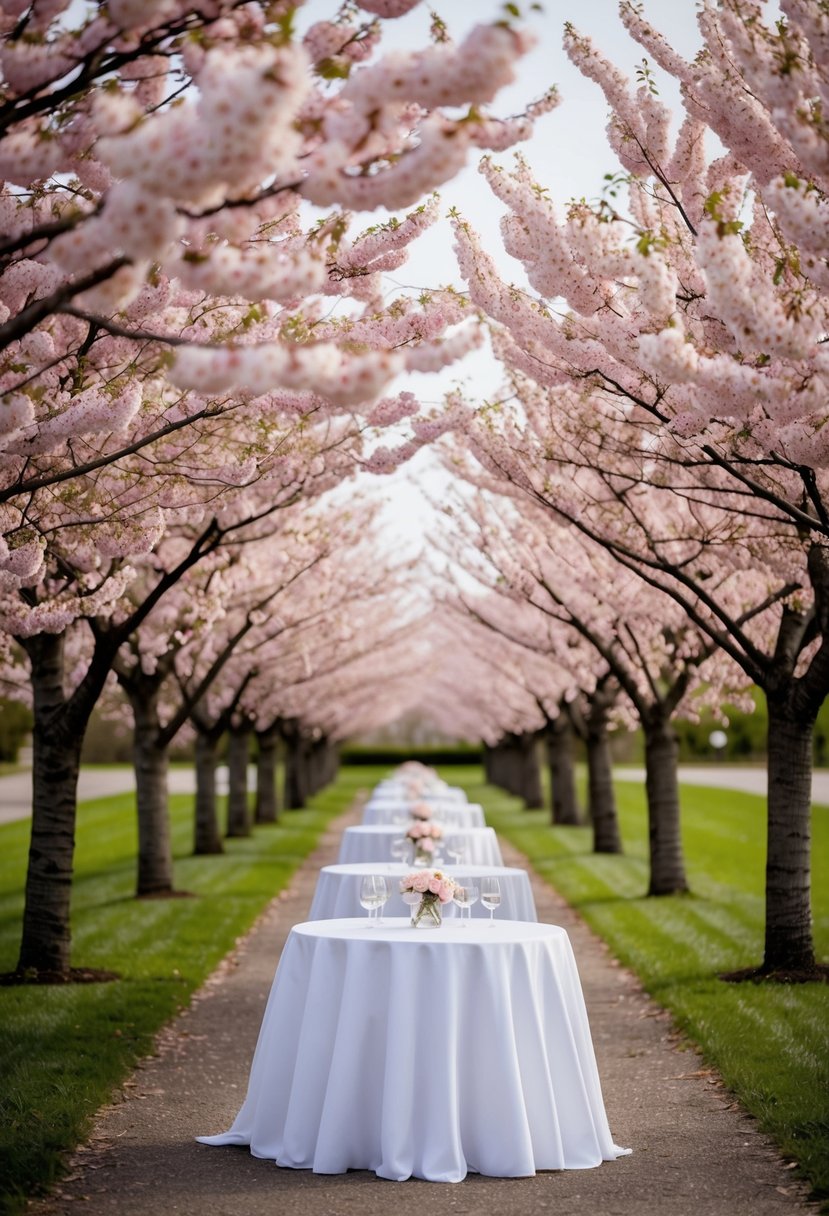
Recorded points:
(424, 836)
(435, 889)
(420, 810)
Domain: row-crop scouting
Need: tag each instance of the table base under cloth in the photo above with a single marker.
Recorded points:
(425, 1054)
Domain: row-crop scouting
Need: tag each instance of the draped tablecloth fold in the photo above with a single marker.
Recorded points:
(425, 1054)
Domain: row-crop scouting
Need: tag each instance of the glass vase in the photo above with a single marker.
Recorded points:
(428, 914)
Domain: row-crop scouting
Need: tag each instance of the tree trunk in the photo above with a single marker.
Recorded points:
(296, 771)
(46, 938)
(267, 798)
(789, 945)
(510, 764)
(530, 772)
(496, 764)
(155, 853)
(600, 792)
(314, 761)
(238, 804)
(565, 805)
(503, 765)
(330, 763)
(207, 835)
(667, 867)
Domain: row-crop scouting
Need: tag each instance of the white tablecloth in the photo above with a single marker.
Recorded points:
(399, 789)
(426, 1054)
(452, 815)
(338, 890)
(372, 842)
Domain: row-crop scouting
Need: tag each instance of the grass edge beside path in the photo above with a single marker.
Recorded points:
(65, 1049)
(768, 1042)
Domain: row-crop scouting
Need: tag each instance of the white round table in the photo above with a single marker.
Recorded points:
(372, 842)
(450, 814)
(337, 892)
(425, 1053)
(443, 793)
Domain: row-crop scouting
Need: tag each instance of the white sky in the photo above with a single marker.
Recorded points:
(569, 155)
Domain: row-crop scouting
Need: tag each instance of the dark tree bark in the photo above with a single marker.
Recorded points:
(505, 765)
(150, 760)
(333, 762)
(512, 765)
(496, 765)
(267, 797)
(58, 733)
(565, 805)
(788, 941)
(316, 763)
(207, 837)
(600, 792)
(238, 803)
(530, 771)
(667, 866)
(296, 767)
(46, 940)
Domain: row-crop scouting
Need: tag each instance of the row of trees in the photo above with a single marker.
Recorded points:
(652, 484)
(194, 368)
(194, 356)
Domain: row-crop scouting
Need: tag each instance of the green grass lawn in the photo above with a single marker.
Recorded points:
(769, 1042)
(64, 1049)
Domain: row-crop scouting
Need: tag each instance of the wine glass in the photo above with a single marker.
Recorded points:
(465, 897)
(491, 897)
(411, 899)
(383, 895)
(454, 847)
(370, 896)
(400, 848)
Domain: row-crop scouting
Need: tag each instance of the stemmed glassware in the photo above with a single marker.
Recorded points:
(400, 848)
(491, 897)
(373, 894)
(455, 847)
(383, 896)
(411, 899)
(465, 897)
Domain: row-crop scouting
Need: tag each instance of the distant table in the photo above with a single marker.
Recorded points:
(399, 789)
(450, 814)
(338, 890)
(372, 842)
(426, 1054)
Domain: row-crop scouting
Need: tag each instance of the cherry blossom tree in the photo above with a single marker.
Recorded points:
(735, 575)
(158, 275)
(577, 695)
(700, 311)
(326, 617)
(229, 604)
(667, 672)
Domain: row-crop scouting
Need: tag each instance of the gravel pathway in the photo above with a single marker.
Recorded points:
(695, 1152)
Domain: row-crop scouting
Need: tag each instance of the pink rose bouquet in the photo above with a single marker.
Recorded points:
(420, 810)
(435, 889)
(424, 837)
